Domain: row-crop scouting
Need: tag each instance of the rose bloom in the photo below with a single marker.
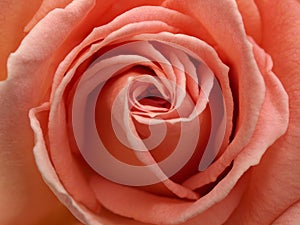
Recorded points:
(150, 112)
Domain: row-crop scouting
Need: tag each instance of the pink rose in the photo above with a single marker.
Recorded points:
(174, 112)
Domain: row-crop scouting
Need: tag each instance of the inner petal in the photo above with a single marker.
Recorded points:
(148, 95)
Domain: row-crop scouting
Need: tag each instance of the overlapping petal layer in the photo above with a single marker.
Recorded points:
(240, 67)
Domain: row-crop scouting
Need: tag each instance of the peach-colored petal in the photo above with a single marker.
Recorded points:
(210, 58)
(124, 113)
(275, 182)
(143, 15)
(281, 40)
(24, 89)
(199, 206)
(251, 19)
(149, 208)
(246, 81)
(198, 51)
(244, 132)
(22, 192)
(291, 216)
(276, 103)
(113, 36)
(91, 81)
(273, 189)
(220, 211)
(54, 116)
(233, 41)
(66, 165)
(14, 15)
(20, 92)
(46, 168)
(50, 177)
(45, 8)
(32, 59)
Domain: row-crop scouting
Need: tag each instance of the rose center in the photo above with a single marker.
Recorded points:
(148, 95)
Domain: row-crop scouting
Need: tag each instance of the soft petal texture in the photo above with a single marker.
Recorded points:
(240, 166)
(25, 88)
(56, 119)
(22, 192)
(275, 182)
(291, 216)
(209, 56)
(134, 28)
(101, 32)
(50, 177)
(126, 201)
(20, 185)
(249, 113)
(246, 81)
(251, 19)
(14, 15)
(247, 149)
(45, 8)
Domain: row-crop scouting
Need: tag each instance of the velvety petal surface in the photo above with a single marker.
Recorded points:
(21, 184)
(275, 181)
(14, 15)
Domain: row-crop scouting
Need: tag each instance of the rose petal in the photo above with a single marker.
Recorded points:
(155, 209)
(275, 181)
(23, 90)
(208, 55)
(45, 8)
(111, 36)
(251, 18)
(169, 21)
(108, 94)
(14, 15)
(236, 50)
(69, 168)
(21, 185)
(49, 174)
(291, 216)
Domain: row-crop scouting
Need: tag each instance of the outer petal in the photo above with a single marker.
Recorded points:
(14, 15)
(251, 18)
(45, 8)
(290, 217)
(20, 184)
(22, 192)
(49, 174)
(275, 184)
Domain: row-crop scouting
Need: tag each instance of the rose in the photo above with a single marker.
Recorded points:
(267, 161)
(244, 193)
